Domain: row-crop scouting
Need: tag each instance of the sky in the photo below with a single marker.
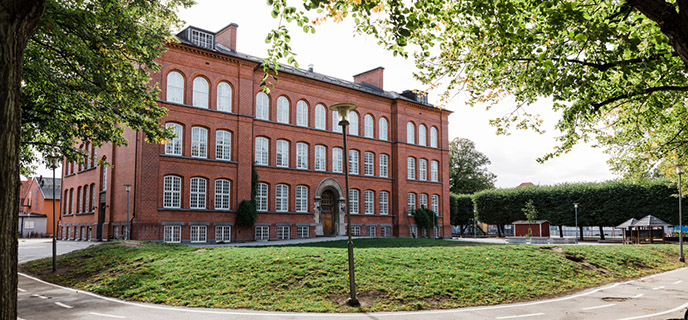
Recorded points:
(335, 50)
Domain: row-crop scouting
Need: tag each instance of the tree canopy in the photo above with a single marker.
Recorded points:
(468, 168)
(616, 70)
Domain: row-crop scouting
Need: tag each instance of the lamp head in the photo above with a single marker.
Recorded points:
(575, 205)
(127, 187)
(343, 110)
(679, 169)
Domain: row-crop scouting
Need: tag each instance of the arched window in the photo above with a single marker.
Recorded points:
(222, 188)
(384, 202)
(172, 192)
(369, 163)
(335, 122)
(410, 133)
(353, 201)
(384, 165)
(369, 202)
(175, 87)
(353, 123)
(411, 202)
(301, 155)
(320, 162)
(282, 152)
(353, 161)
(302, 113)
(262, 151)
(422, 135)
(433, 137)
(411, 168)
(199, 142)
(200, 92)
(382, 129)
(337, 160)
(262, 196)
(320, 117)
(281, 198)
(262, 106)
(93, 197)
(434, 175)
(87, 198)
(282, 110)
(197, 190)
(301, 198)
(223, 145)
(368, 126)
(224, 97)
(78, 200)
(422, 169)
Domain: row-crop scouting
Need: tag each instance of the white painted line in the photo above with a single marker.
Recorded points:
(39, 296)
(679, 308)
(657, 288)
(18, 318)
(521, 316)
(63, 305)
(107, 315)
(598, 307)
(638, 295)
(677, 282)
(21, 290)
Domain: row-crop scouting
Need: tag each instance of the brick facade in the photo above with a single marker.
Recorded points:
(145, 166)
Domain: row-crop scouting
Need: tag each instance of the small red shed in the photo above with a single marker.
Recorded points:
(538, 228)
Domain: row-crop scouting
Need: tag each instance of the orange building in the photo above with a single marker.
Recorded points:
(37, 200)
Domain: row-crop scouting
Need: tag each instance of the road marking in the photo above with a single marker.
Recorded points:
(21, 290)
(107, 315)
(18, 318)
(681, 307)
(521, 316)
(677, 282)
(638, 295)
(657, 288)
(598, 307)
(63, 305)
(39, 296)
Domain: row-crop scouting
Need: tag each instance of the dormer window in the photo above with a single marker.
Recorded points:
(201, 39)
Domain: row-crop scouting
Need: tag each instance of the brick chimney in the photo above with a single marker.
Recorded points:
(227, 36)
(371, 77)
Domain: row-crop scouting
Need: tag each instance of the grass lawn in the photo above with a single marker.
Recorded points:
(391, 273)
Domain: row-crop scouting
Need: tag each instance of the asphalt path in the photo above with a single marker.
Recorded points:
(661, 296)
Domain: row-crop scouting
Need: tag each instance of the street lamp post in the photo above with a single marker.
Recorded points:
(126, 236)
(52, 163)
(575, 206)
(343, 110)
(681, 258)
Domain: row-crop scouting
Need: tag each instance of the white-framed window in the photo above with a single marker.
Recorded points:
(262, 151)
(410, 133)
(368, 126)
(353, 123)
(282, 110)
(386, 231)
(384, 165)
(262, 232)
(372, 231)
(223, 145)
(301, 199)
(28, 224)
(355, 230)
(320, 117)
(423, 200)
(423, 169)
(86, 197)
(320, 158)
(175, 87)
(282, 152)
(302, 113)
(200, 92)
(223, 233)
(434, 176)
(433, 137)
(103, 187)
(172, 234)
(201, 39)
(411, 168)
(435, 204)
(384, 202)
(224, 97)
(262, 196)
(174, 145)
(382, 129)
(93, 196)
(353, 161)
(413, 231)
(262, 106)
(197, 190)
(437, 231)
(199, 234)
(411, 202)
(369, 201)
(199, 142)
(282, 198)
(283, 232)
(337, 161)
(222, 192)
(422, 135)
(353, 201)
(301, 155)
(335, 122)
(369, 164)
(302, 232)
(172, 192)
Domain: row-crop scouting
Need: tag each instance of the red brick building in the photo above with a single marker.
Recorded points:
(189, 188)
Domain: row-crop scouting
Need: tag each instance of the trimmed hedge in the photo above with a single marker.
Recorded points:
(461, 209)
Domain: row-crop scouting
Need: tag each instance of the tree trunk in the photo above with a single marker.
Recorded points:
(580, 231)
(18, 19)
(561, 231)
(499, 231)
(601, 233)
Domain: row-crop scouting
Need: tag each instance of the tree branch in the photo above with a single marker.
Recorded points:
(599, 105)
(601, 66)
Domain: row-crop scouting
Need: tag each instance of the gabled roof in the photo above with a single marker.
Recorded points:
(47, 188)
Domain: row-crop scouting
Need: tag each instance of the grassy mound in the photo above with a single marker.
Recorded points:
(391, 274)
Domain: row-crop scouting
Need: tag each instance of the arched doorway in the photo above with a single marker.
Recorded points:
(327, 212)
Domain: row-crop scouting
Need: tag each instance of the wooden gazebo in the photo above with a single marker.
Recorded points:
(648, 229)
(627, 229)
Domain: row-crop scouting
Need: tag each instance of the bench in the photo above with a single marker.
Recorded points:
(539, 240)
(516, 240)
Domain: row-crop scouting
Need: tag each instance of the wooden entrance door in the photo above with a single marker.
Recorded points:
(327, 203)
